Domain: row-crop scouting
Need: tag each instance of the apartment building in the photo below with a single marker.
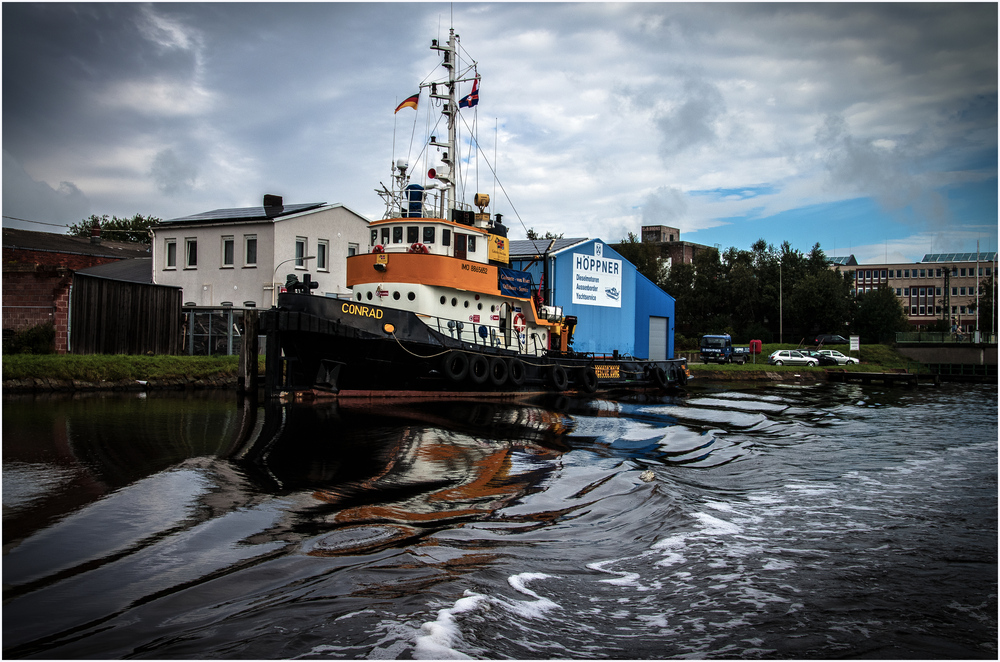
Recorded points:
(940, 286)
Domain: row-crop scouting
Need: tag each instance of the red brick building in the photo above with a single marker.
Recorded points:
(38, 270)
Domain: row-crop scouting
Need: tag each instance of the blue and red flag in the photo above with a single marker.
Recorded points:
(472, 98)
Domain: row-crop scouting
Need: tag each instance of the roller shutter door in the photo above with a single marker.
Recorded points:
(657, 338)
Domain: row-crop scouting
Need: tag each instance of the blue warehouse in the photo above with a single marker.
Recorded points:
(617, 308)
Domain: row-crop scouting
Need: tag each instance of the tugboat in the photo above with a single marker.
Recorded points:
(435, 306)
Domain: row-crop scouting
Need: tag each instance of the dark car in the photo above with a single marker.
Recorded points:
(822, 358)
(830, 339)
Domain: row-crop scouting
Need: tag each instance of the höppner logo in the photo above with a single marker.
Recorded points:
(595, 264)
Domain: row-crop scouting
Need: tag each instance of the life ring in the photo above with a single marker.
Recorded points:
(587, 379)
(379, 248)
(498, 371)
(419, 248)
(557, 378)
(515, 371)
(519, 323)
(479, 369)
(456, 366)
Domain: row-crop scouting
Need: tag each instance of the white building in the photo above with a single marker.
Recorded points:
(241, 257)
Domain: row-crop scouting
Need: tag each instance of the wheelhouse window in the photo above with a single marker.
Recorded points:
(374, 237)
(397, 234)
(228, 252)
(171, 254)
(429, 235)
(445, 237)
(249, 250)
(385, 236)
(191, 253)
(412, 234)
(322, 253)
(472, 243)
(300, 252)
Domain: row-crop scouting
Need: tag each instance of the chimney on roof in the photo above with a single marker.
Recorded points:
(95, 232)
(272, 200)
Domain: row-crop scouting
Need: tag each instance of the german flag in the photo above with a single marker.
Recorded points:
(408, 103)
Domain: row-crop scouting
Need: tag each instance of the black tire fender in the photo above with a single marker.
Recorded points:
(587, 379)
(515, 371)
(455, 366)
(498, 371)
(660, 377)
(479, 369)
(557, 378)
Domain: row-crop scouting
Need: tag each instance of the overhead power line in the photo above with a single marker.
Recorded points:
(25, 220)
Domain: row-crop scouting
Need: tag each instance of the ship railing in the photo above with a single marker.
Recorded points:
(487, 335)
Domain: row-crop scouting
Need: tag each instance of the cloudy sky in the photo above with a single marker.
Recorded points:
(871, 129)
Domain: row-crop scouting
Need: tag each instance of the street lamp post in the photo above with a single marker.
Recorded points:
(274, 285)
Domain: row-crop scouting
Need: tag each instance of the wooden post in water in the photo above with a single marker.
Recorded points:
(246, 381)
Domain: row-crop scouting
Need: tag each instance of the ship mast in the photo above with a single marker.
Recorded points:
(450, 110)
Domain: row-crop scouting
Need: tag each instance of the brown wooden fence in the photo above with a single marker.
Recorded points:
(120, 317)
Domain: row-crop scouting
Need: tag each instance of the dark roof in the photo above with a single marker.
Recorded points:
(960, 257)
(528, 248)
(136, 270)
(14, 238)
(848, 261)
(244, 214)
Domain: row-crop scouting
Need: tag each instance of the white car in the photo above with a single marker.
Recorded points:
(838, 357)
(791, 357)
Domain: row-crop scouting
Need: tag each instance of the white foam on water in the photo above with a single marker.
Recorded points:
(713, 526)
(534, 609)
(440, 637)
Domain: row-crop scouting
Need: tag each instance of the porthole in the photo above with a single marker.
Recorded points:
(411, 296)
(359, 296)
(395, 295)
(369, 296)
(479, 306)
(454, 301)
(466, 304)
(493, 308)
(443, 300)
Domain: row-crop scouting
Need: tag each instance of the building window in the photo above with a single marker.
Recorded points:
(923, 291)
(923, 273)
(300, 252)
(249, 250)
(906, 273)
(913, 310)
(352, 249)
(898, 292)
(906, 291)
(962, 291)
(397, 234)
(963, 271)
(938, 291)
(938, 273)
(445, 237)
(228, 252)
(987, 271)
(961, 309)
(954, 310)
(954, 291)
(412, 234)
(884, 275)
(190, 253)
(923, 311)
(171, 246)
(429, 235)
(322, 250)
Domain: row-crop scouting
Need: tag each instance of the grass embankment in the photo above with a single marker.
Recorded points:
(874, 358)
(113, 368)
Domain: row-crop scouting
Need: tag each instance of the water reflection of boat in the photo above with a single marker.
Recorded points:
(422, 466)
(436, 306)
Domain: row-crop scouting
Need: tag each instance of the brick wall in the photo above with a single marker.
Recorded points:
(36, 289)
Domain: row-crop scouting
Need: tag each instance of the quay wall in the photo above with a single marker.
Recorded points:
(953, 353)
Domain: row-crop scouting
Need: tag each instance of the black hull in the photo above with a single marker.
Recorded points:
(339, 346)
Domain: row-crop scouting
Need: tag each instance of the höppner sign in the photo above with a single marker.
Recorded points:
(597, 281)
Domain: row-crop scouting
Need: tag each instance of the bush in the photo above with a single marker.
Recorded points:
(40, 339)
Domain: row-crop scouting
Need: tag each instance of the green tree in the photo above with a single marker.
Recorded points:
(644, 255)
(987, 306)
(879, 315)
(533, 235)
(133, 230)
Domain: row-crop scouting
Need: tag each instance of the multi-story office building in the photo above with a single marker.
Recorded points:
(940, 286)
